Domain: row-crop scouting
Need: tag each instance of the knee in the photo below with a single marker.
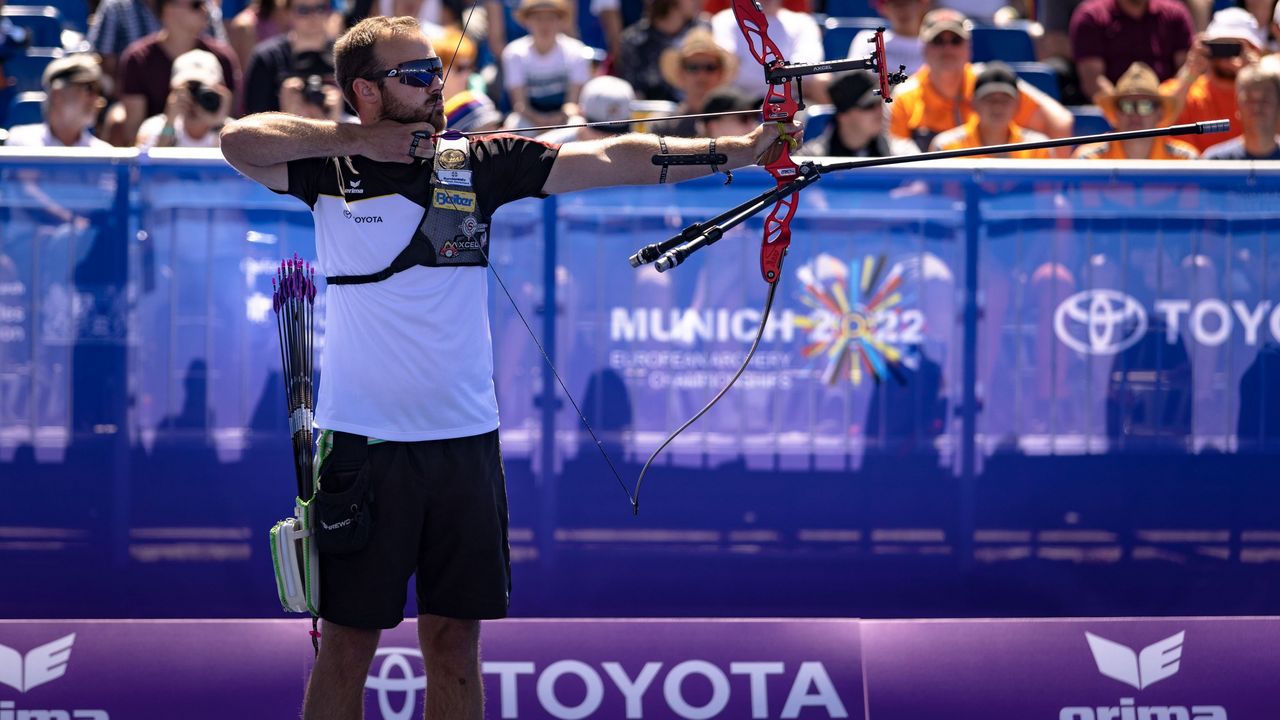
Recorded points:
(449, 640)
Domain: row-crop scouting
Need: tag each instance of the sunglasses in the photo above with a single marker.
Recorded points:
(307, 10)
(1136, 107)
(700, 67)
(414, 73)
(944, 40)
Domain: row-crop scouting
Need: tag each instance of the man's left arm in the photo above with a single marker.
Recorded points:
(628, 159)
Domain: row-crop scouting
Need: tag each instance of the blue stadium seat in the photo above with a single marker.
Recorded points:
(1010, 44)
(74, 13)
(1089, 121)
(817, 118)
(25, 70)
(44, 23)
(1040, 76)
(838, 32)
(25, 109)
(850, 8)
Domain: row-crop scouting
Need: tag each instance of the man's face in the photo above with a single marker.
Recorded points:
(946, 52)
(1259, 104)
(996, 109)
(702, 72)
(188, 16)
(308, 16)
(407, 103)
(1226, 68)
(1138, 112)
(544, 23)
(74, 105)
(866, 122)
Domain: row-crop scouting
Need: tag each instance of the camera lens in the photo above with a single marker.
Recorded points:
(205, 96)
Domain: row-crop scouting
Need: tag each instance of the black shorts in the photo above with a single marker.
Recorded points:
(439, 510)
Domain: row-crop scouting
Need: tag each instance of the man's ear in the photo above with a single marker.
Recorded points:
(366, 91)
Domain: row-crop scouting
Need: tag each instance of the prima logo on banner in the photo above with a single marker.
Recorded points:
(1108, 322)
(41, 665)
(399, 679)
(857, 326)
(1158, 661)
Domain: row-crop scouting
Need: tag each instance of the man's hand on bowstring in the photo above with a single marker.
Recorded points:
(769, 139)
(391, 141)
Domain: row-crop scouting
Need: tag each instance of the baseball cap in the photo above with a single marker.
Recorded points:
(855, 89)
(71, 70)
(996, 77)
(1235, 24)
(943, 20)
(607, 98)
(199, 66)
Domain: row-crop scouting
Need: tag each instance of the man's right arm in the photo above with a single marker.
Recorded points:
(261, 146)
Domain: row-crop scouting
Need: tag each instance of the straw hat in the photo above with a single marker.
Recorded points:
(697, 41)
(528, 6)
(1139, 81)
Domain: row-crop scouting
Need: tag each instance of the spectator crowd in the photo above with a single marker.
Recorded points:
(170, 73)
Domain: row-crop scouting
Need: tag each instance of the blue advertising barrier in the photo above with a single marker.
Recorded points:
(986, 388)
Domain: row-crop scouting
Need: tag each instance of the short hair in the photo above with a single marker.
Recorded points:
(452, 46)
(355, 53)
(1257, 74)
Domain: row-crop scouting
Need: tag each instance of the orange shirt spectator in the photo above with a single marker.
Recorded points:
(967, 136)
(919, 111)
(996, 100)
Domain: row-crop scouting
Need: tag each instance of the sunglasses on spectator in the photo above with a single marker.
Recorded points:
(1136, 107)
(696, 67)
(414, 73)
(946, 39)
(306, 10)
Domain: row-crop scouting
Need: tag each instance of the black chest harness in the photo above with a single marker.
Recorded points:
(453, 231)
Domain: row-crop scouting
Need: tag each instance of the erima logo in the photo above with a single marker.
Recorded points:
(1155, 662)
(43, 664)
(353, 187)
(453, 200)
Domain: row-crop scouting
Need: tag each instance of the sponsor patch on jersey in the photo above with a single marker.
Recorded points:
(453, 159)
(453, 200)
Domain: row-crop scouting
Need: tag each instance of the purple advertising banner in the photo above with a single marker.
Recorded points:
(1086, 669)
(533, 669)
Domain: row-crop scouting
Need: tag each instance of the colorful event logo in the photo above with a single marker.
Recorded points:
(857, 326)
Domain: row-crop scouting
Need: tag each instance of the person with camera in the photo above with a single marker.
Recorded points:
(305, 50)
(311, 96)
(196, 109)
(1205, 87)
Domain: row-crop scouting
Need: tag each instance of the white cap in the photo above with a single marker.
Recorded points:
(1235, 24)
(199, 66)
(606, 98)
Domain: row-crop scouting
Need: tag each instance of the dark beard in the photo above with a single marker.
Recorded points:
(433, 113)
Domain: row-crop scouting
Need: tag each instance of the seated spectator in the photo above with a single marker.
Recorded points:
(14, 41)
(1136, 104)
(797, 36)
(256, 24)
(605, 99)
(728, 99)
(901, 39)
(458, 54)
(117, 24)
(73, 87)
(1205, 88)
(147, 65)
(858, 128)
(544, 71)
(643, 44)
(196, 109)
(995, 104)
(312, 96)
(694, 68)
(1258, 97)
(470, 111)
(937, 97)
(1107, 36)
(309, 38)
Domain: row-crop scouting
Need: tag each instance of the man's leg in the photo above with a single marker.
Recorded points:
(451, 651)
(336, 688)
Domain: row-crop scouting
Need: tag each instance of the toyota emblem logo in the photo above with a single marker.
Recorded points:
(1100, 322)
